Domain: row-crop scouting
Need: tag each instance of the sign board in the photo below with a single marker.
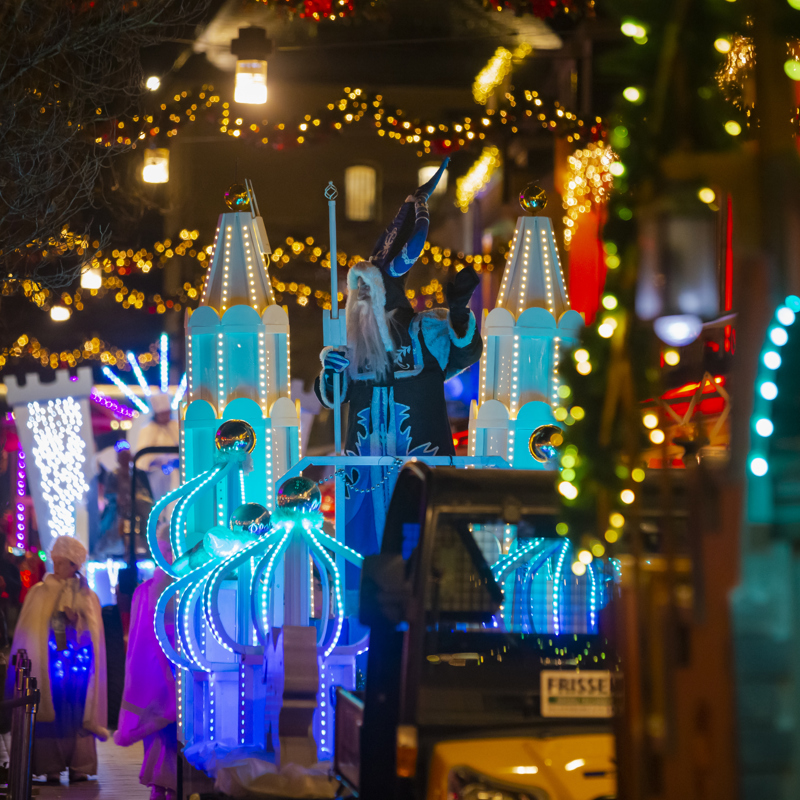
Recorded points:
(573, 693)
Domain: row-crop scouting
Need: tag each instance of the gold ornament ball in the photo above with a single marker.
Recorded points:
(533, 199)
(235, 434)
(237, 198)
(300, 494)
(544, 443)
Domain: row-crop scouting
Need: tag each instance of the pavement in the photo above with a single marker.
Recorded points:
(117, 778)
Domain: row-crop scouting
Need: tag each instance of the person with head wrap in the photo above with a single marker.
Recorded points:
(148, 711)
(162, 431)
(395, 365)
(61, 628)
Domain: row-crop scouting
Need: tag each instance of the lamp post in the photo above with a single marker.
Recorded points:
(251, 49)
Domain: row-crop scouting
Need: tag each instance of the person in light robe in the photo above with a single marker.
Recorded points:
(162, 431)
(148, 713)
(61, 628)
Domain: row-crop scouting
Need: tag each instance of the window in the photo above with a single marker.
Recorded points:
(360, 193)
(426, 173)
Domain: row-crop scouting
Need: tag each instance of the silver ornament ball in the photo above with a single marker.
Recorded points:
(300, 494)
(250, 518)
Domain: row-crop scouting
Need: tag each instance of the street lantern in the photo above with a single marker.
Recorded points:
(678, 283)
(156, 165)
(251, 50)
(91, 279)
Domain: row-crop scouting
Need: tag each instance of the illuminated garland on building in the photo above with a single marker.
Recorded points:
(294, 251)
(739, 66)
(478, 176)
(497, 70)
(333, 10)
(588, 181)
(429, 136)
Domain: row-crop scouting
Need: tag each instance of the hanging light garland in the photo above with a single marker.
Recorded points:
(354, 107)
(739, 68)
(293, 252)
(588, 180)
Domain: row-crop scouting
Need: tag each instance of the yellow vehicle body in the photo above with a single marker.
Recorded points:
(571, 767)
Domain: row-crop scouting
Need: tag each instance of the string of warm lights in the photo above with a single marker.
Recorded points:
(355, 106)
(478, 176)
(497, 70)
(91, 350)
(321, 10)
(333, 10)
(588, 181)
(739, 68)
(293, 252)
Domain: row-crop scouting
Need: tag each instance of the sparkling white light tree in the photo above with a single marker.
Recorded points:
(55, 430)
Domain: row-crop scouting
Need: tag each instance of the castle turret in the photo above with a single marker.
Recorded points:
(525, 337)
(237, 344)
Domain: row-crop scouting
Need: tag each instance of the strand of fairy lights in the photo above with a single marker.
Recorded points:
(262, 371)
(21, 526)
(592, 600)
(180, 392)
(59, 453)
(251, 284)
(220, 373)
(557, 589)
(164, 362)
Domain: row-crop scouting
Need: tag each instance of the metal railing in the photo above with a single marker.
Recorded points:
(23, 707)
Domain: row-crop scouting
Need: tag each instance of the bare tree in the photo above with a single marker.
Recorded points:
(68, 72)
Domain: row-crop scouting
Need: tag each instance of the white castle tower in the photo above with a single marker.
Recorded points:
(524, 338)
(238, 367)
(237, 347)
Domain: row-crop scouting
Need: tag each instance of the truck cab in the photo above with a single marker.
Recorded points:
(488, 675)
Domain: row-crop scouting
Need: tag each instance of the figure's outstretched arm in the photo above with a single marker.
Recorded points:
(466, 344)
(334, 361)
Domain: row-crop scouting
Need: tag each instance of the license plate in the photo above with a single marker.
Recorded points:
(565, 693)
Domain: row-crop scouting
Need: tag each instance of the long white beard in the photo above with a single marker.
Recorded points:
(367, 350)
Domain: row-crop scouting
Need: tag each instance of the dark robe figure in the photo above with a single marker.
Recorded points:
(395, 365)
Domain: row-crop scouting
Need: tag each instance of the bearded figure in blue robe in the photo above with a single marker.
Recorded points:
(395, 365)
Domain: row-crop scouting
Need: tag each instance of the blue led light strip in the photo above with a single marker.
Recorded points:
(557, 589)
(177, 522)
(145, 409)
(163, 362)
(180, 393)
(186, 618)
(152, 522)
(211, 595)
(337, 583)
(767, 391)
(262, 580)
(161, 632)
(137, 371)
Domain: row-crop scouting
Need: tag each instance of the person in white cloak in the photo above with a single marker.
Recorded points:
(148, 713)
(162, 431)
(61, 628)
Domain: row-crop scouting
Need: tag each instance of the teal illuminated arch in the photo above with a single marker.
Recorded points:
(761, 505)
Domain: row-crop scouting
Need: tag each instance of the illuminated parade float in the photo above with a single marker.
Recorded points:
(256, 662)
